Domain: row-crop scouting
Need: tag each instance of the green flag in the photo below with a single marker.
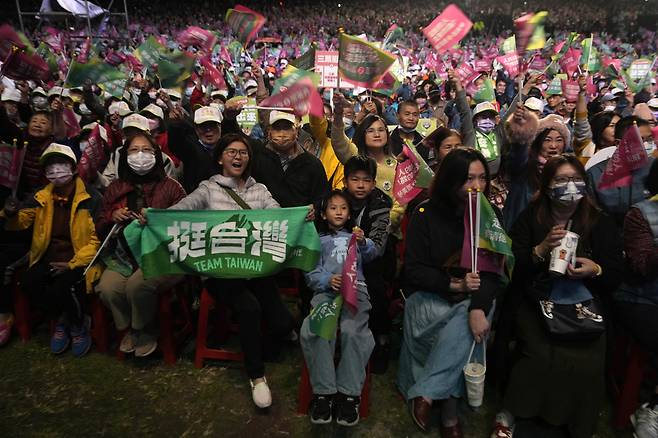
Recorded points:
(393, 34)
(291, 75)
(175, 68)
(323, 318)
(47, 54)
(486, 92)
(563, 47)
(362, 62)
(538, 38)
(149, 52)
(509, 45)
(108, 78)
(307, 60)
(590, 56)
(492, 235)
(245, 23)
(425, 173)
(224, 244)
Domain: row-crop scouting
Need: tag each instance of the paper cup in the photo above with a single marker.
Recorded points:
(564, 254)
(474, 374)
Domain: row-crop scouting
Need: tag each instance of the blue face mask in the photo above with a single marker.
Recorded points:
(486, 125)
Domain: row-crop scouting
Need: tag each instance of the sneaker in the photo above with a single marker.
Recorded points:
(348, 410)
(5, 329)
(261, 394)
(60, 340)
(145, 345)
(81, 339)
(128, 342)
(502, 430)
(645, 422)
(320, 409)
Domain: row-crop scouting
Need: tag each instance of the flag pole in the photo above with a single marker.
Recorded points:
(477, 228)
(23, 150)
(470, 227)
(113, 231)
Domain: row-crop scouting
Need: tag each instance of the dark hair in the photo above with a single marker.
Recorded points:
(437, 137)
(127, 174)
(651, 181)
(452, 174)
(407, 103)
(534, 172)
(587, 211)
(360, 163)
(622, 126)
(598, 123)
(322, 224)
(359, 137)
(223, 144)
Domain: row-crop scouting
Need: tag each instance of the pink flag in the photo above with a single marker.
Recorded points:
(83, 56)
(570, 90)
(447, 29)
(466, 73)
(303, 97)
(569, 63)
(93, 157)
(211, 75)
(20, 66)
(115, 58)
(538, 64)
(71, 122)
(510, 62)
(225, 55)
(483, 65)
(54, 39)
(404, 184)
(629, 156)
(348, 288)
(11, 161)
(134, 63)
(195, 36)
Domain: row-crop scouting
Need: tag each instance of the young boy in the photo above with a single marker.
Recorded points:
(370, 209)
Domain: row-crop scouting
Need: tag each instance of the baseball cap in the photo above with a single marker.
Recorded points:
(534, 104)
(176, 94)
(653, 103)
(617, 91)
(39, 91)
(484, 107)
(11, 95)
(275, 116)
(58, 149)
(607, 97)
(218, 93)
(136, 121)
(119, 107)
(155, 110)
(207, 114)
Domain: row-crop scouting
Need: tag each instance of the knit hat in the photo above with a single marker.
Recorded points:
(555, 122)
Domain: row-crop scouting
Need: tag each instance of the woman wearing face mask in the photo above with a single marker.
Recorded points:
(142, 183)
(255, 299)
(559, 381)
(533, 143)
(63, 243)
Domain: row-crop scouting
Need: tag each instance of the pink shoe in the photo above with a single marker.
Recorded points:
(5, 330)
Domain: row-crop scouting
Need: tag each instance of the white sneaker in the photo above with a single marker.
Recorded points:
(261, 394)
(645, 422)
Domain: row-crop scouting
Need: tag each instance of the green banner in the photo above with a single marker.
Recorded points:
(149, 52)
(224, 244)
(108, 78)
(362, 62)
(323, 318)
(305, 61)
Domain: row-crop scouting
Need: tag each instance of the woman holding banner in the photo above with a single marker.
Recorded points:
(450, 306)
(567, 253)
(142, 183)
(253, 300)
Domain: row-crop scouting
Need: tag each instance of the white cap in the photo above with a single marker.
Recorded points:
(155, 110)
(207, 114)
(58, 149)
(136, 121)
(653, 103)
(11, 95)
(216, 93)
(172, 92)
(617, 91)
(40, 91)
(250, 83)
(484, 107)
(101, 130)
(119, 107)
(534, 104)
(275, 116)
(55, 91)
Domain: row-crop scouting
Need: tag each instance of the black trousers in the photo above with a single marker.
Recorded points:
(13, 246)
(254, 301)
(57, 296)
(379, 275)
(641, 321)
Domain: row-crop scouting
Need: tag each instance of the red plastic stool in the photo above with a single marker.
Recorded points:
(100, 324)
(626, 380)
(207, 302)
(22, 314)
(305, 393)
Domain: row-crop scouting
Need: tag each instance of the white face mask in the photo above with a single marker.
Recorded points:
(59, 174)
(152, 95)
(609, 108)
(141, 162)
(649, 146)
(347, 122)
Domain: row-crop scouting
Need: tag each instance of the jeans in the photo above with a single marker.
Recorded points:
(356, 344)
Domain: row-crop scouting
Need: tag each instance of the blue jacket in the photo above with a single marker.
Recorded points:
(332, 257)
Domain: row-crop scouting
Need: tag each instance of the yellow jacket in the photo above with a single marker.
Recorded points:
(83, 231)
(332, 166)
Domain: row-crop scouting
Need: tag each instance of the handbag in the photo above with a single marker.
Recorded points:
(581, 321)
(238, 200)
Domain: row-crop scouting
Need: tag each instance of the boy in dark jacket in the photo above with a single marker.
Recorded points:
(370, 210)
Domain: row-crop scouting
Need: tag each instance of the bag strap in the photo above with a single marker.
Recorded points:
(238, 200)
(484, 352)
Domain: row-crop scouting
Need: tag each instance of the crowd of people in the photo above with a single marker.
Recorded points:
(538, 153)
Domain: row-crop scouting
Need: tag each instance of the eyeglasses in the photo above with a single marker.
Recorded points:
(233, 152)
(372, 131)
(566, 179)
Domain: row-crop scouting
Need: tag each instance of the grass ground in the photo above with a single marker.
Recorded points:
(47, 396)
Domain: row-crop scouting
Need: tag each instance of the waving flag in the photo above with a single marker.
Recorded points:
(629, 156)
(349, 275)
(447, 29)
(93, 157)
(302, 96)
(245, 23)
(323, 318)
(529, 30)
(361, 62)
(211, 75)
(195, 36)
(393, 34)
(83, 56)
